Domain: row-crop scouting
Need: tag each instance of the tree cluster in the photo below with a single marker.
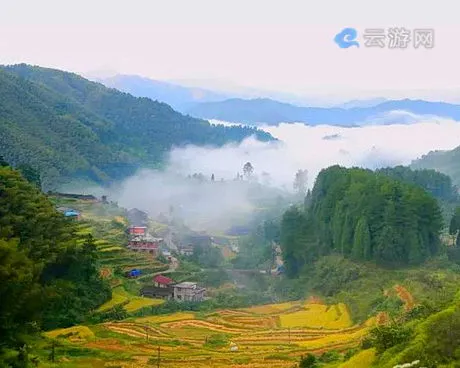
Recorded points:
(434, 182)
(362, 215)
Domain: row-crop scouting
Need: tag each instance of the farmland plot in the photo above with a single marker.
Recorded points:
(265, 336)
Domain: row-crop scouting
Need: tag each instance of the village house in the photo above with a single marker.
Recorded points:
(137, 217)
(84, 197)
(189, 292)
(161, 281)
(137, 230)
(198, 240)
(166, 253)
(148, 245)
(158, 292)
(70, 213)
(163, 287)
(186, 250)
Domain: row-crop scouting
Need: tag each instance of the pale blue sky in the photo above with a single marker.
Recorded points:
(276, 45)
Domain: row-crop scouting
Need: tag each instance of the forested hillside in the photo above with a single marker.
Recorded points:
(447, 162)
(48, 275)
(362, 215)
(438, 184)
(68, 127)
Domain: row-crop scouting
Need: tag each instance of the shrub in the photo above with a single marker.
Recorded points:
(308, 361)
(217, 341)
(329, 356)
(385, 337)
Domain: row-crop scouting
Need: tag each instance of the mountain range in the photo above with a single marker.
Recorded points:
(207, 104)
(71, 128)
(178, 97)
(266, 111)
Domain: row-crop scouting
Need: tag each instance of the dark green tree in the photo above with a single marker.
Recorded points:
(30, 174)
(3, 163)
(362, 241)
(454, 226)
(308, 361)
(385, 337)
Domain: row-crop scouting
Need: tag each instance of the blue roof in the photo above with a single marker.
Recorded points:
(135, 272)
(71, 213)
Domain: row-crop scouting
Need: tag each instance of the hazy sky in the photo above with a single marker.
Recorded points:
(275, 45)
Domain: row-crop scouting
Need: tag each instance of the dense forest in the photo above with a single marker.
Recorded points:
(68, 127)
(49, 277)
(362, 215)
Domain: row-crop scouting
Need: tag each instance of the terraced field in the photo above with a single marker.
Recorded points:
(274, 335)
(107, 225)
(264, 336)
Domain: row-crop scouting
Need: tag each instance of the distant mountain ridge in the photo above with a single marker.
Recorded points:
(207, 104)
(71, 128)
(179, 97)
(272, 112)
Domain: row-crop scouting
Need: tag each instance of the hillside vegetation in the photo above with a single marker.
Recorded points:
(49, 273)
(372, 240)
(68, 127)
(70, 304)
(447, 162)
(364, 216)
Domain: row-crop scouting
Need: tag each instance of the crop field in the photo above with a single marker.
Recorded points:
(264, 336)
(72, 333)
(139, 302)
(363, 359)
(129, 302)
(318, 316)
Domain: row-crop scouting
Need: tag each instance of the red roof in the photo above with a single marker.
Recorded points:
(160, 279)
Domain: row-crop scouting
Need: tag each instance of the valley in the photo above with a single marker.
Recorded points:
(181, 243)
(133, 331)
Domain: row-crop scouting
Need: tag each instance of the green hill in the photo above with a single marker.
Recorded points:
(446, 162)
(69, 127)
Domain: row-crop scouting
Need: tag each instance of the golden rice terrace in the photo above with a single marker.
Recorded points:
(273, 335)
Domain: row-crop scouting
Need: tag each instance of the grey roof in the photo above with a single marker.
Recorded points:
(186, 285)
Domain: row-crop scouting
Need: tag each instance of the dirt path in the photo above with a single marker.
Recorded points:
(173, 266)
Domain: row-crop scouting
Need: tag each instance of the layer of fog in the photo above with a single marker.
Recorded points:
(217, 205)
